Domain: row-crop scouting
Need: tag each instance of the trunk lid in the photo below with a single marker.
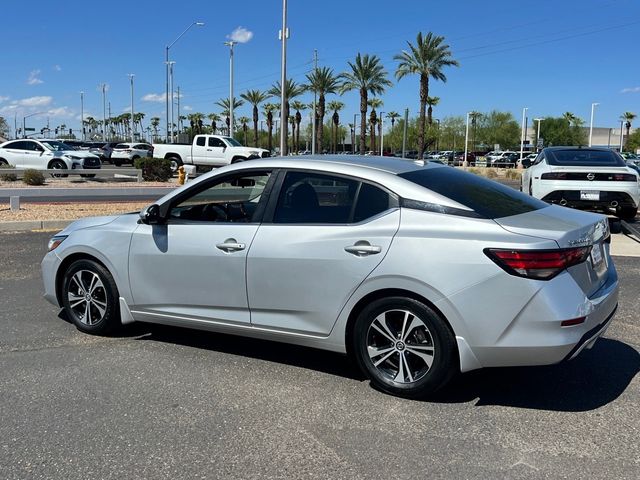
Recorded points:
(569, 228)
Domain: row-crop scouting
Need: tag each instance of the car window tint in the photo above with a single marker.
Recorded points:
(121, 146)
(200, 141)
(488, 199)
(232, 199)
(371, 201)
(216, 142)
(315, 198)
(16, 145)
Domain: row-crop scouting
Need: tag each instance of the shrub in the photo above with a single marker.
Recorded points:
(7, 177)
(154, 169)
(475, 171)
(491, 173)
(33, 177)
(513, 174)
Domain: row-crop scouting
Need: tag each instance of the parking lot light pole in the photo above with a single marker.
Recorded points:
(539, 120)
(593, 107)
(82, 114)
(382, 133)
(131, 75)
(621, 134)
(171, 103)
(284, 34)
(166, 61)
(466, 144)
(230, 44)
(522, 135)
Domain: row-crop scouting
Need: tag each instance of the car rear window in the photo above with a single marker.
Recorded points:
(121, 146)
(488, 199)
(583, 157)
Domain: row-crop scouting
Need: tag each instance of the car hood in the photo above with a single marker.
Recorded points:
(88, 223)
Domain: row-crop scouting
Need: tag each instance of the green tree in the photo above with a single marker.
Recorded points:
(498, 128)
(297, 106)
(431, 102)
(269, 108)
(224, 104)
(367, 75)
(322, 81)
(244, 121)
(255, 98)
(373, 121)
(393, 116)
(633, 141)
(214, 118)
(628, 118)
(427, 58)
(562, 131)
(4, 128)
(335, 106)
(292, 90)
(155, 123)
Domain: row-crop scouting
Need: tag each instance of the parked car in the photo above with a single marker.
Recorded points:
(45, 155)
(458, 159)
(416, 270)
(584, 178)
(503, 159)
(529, 159)
(129, 152)
(103, 149)
(208, 150)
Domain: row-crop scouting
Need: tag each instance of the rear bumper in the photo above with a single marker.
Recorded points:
(608, 199)
(589, 339)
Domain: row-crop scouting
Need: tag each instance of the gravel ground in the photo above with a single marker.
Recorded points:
(67, 211)
(90, 183)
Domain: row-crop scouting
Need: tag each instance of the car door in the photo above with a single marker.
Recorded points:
(14, 153)
(193, 266)
(33, 155)
(199, 150)
(321, 237)
(215, 151)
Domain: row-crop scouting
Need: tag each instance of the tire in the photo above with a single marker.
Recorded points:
(626, 213)
(427, 338)
(88, 175)
(176, 163)
(117, 163)
(3, 162)
(238, 160)
(104, 310)
(58, 164)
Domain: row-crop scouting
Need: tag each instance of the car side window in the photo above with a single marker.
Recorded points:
(216, 142)
(538, 160)
(232, 199)
(200, 141)
(19, 145)
(32, 146)
(372, 201)
(315, 198)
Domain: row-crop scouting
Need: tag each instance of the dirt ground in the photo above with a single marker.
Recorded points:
(90, 183)
(66, 211)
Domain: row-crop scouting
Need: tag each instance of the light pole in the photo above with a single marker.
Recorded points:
(539, 120)
(522, 135)
(593, 107)
(104, 111)
(621, 134)
(166, 61)
(171, 123)
(24, 123)
(131, 75)
(230, 44)
(438, 137)
(82, 114)
(355, 127)
(466, 143)
(284, 34)
(382, 133)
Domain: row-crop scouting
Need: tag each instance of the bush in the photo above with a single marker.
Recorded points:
(33, 177)
(491, 173)
(513, 174)
(7, 177)
(154, 169)
(475, 171)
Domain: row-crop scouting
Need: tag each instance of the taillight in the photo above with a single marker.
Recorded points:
(537, 264)
(624, 177)
(554, 176)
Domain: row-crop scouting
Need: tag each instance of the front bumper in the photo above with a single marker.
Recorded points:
(49, 266)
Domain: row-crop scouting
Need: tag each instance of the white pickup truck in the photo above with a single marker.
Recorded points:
(207, 150)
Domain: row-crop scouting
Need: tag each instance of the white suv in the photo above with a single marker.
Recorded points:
(584, 178)
(129, 152)
(46, 154)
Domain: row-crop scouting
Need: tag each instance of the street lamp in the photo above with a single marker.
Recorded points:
(593, 107)
(539, 120)
(382, 133)
(522, 135)
(131, 75)
(24, 122)
(355, 128)
(230, 44)
(621, 134)
(284, 34)
(466, 143)
(166, 61)
(82, 114)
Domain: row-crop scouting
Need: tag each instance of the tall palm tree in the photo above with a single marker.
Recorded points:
(393, 116)
(427, 58)
(292, 121)
(627, 118)
(292, 90)
(322, 81)
(155, 123)
(335, 106)
(367, 75)
(297, 106)
(269, 108)
(225, 104)
(373, 120)
(431, 102)
(573, 120)
(244, 121)
(255, 98)
(214, 118)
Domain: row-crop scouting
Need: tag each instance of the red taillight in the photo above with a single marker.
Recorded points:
(537, 264)
(554, 176)
(624, 177)
(573, 322)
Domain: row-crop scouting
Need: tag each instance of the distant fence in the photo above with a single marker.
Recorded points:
(100, 172)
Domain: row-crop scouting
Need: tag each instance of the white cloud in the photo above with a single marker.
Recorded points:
(240, 35)
(630, 90)
(3, 99)
(187, 108)
(154, 97)
(60, 112)
(57, 68)
(33, 78)
(41, 101)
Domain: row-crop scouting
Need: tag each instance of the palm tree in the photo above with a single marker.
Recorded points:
(474, 116)
(335, 106)
(431, 102)
(393, 116)
(224, 104)
(243, 121)
(627, 118)
(373, 120)
(269, 108)
(292, 90)
(292, 121)
(367, 75)
(322, 81)
(255, 98)
(297, 106)
(427, 58)
(155, 123)
(573, 120)
(214, 118)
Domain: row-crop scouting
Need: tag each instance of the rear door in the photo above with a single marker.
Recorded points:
(14, 153)
(322, 236)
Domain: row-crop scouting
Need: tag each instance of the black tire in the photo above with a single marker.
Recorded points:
(88, 175)
(435, 335)
(3, 162)
(176, 163)
(626, 213)
(58, 164)
(106, 293)
(117, 163)
(238, 159)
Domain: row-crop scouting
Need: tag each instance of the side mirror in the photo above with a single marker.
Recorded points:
(151, 215)
(224, 148)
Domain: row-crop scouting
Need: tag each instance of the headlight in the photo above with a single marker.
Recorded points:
(254, 153)
(55, 242)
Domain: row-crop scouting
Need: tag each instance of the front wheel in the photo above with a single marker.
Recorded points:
(626, 213)
(90, 297)
(88, 175)
(404, 347)
(58, 165)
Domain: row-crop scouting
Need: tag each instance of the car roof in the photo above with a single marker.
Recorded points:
(599, 149)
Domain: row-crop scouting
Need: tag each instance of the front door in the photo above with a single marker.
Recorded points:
(325, 236)
(193, 266)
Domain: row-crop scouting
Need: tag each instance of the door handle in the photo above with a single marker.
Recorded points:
(362, 249)
(209, 150)
(230, 245)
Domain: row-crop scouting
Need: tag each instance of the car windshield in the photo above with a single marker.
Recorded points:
(56, 146)
(232, 141)
(584, 157)
(487, 198)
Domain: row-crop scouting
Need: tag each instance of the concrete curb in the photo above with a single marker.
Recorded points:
(28, 225)
(52, 193)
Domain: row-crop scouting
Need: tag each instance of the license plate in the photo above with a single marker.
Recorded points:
(589, 195)
(596, 254)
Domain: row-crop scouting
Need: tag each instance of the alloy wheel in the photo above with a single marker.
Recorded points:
(87, 297)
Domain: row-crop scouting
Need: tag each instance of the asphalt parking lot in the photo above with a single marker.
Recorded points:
(162, 402)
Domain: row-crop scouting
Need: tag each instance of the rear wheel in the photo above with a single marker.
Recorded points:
(3, 162)
(117, 163)
(58, 165)
(238, 159)
(175, 163)
(626, 213)
(404, 347)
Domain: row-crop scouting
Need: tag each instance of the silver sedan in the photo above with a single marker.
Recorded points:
(415, 270)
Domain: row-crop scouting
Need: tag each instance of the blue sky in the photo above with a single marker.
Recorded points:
(549, 55)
